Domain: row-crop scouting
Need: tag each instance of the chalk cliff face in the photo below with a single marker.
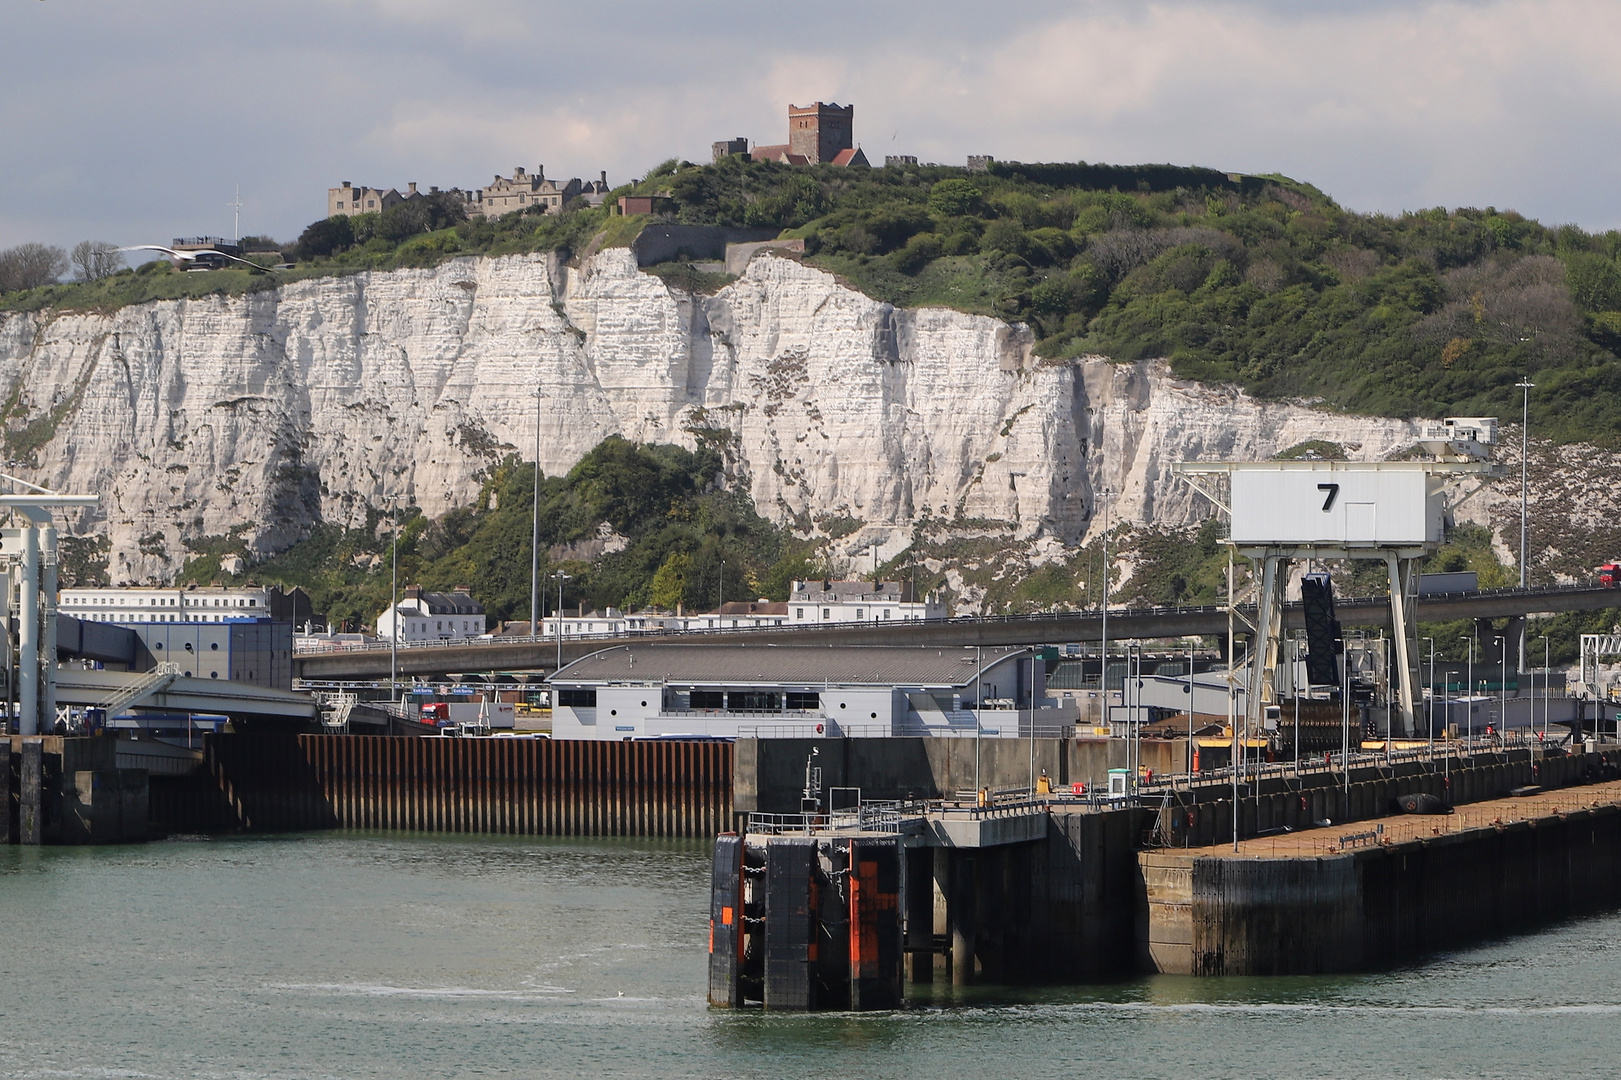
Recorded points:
(264, 414)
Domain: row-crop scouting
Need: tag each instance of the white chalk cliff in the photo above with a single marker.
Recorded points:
(266, 413)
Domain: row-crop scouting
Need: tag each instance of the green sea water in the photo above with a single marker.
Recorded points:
(414, 956)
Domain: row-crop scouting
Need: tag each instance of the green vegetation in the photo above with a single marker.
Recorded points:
(631, 525)
(1260, 281)
(1256, 280)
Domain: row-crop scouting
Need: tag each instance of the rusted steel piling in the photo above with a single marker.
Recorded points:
(288, 783)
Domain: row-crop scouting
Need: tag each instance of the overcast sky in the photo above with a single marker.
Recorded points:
(133, 122)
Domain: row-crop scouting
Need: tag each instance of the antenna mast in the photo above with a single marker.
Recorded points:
(236, 205)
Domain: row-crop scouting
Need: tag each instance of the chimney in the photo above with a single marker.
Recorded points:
(413, 186)
(347, 184)
(413, 592)
(464, 590)
(517, 172)
(540, 172)
(604, 177)
(433, 190)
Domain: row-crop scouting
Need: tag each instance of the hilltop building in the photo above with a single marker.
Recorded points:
(503, 195)
(818, 134)
(348, 200)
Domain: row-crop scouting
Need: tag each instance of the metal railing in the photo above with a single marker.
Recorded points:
(884, 818)
(1458, 750)
(1162, 610)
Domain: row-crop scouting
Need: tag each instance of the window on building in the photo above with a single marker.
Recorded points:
(799, 613)
(859, 615)
(577, 699)
(709, 699)
(827, 613)
(804, 700)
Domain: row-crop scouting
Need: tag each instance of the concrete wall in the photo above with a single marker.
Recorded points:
(666, 243)
(68, 790)
(770, 773)
(1378, 906)
(1212, 915)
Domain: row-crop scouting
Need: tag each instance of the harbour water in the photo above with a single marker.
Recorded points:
(340, 955)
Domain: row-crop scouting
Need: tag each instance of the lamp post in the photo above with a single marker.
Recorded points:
(1525, 386)
(1103, 642)
(1294, 687)
(1545, 672)
(1429, 706)
(1502, 687)
(1469, 699)
(557, 618)
(977, 667)
(534, 530)
(394, 601)
(1190, 719)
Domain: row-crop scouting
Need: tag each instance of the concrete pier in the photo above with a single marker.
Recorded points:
(58, 789)
(1059, 889)
(1369, 895)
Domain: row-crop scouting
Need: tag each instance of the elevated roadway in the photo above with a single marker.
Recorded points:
(238, 700)
(437, 660)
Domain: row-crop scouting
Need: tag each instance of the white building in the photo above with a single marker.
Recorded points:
(809, 603)
(638, 690)
(858, 601)
(193, 603)
(432, 616)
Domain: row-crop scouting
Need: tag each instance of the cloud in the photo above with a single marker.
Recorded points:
(134, 124)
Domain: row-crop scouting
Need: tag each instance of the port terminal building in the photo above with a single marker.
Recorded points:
(642, 691)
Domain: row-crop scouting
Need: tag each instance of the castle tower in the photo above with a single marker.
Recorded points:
(820, 131)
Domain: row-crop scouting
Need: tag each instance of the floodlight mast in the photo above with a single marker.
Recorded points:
(35, 550)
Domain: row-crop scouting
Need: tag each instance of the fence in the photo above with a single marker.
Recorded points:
(282, 783)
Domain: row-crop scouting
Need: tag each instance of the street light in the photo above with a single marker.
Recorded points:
(394, 600)
(1103, 641)
(1545, 672)
(1469, 699)
(1525, 386)
(534, 529)
(1502, 687)
(977, 704)
(1429, 706)
(557, 618)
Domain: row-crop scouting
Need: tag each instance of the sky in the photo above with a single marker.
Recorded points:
(137, 122)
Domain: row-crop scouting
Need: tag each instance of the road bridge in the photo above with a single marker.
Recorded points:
(436, 659)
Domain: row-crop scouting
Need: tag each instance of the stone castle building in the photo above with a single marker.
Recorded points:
(818, 134)
(503, 195)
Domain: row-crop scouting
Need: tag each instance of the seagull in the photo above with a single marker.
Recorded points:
(188, 256)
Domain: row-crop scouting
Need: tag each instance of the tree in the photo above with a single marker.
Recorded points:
(670, 581)
(28, 266)
(95, 259)
(954, 196)
(326, 237)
